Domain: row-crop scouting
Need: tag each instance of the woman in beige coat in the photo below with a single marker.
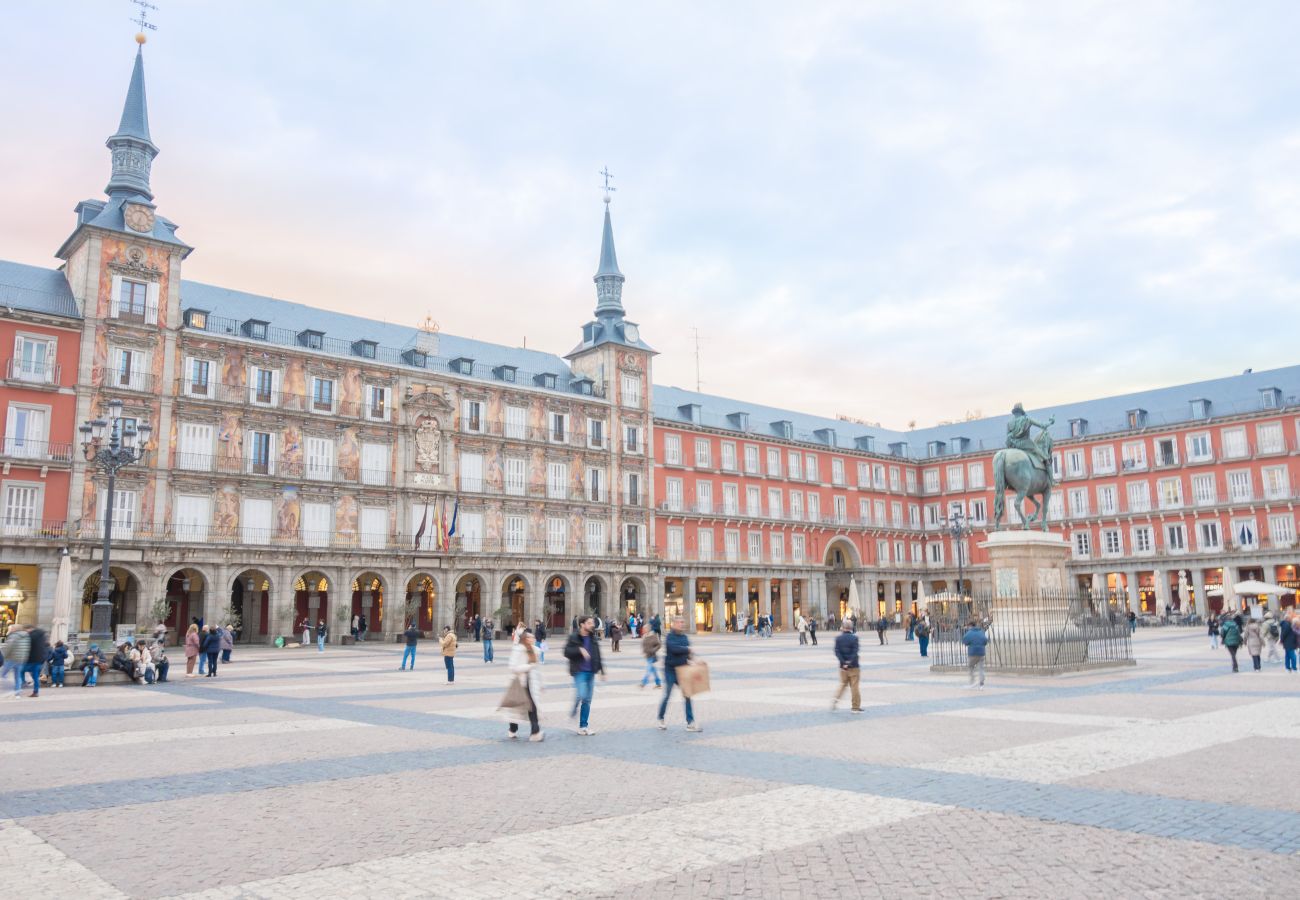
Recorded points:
(191, 649)
(1254, 641)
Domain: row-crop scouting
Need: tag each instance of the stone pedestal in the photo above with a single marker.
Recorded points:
(1027, 563)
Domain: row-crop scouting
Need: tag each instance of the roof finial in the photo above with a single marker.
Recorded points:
(142, 20)
(607, 189)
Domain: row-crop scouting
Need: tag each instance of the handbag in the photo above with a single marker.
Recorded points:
(693, 678)
(515, 703)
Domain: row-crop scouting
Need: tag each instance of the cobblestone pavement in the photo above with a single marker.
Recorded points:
(298, 774)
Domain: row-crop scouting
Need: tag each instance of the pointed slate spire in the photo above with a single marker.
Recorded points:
(609, 280)
(132, 148)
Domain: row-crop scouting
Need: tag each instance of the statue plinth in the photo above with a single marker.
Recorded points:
(1027, 563)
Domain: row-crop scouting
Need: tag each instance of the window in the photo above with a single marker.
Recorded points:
(596, 488)
(932, 515)
(557, 480)
(1166, 452)
(776, 543)
(377, 402)
(631, 390)
(879, 507)
(516, 419)
(136, 300)
(882, 553)
(1139, 496)
(841, 507)
(728, 456)
(774, 504)
(260, 453)
(673, 500)
(596, 434)
(1134, 455)
(322, 394)
(1112, 543)
(631, 439)
(753, 502)
(375, 464)
(704, 496)
(374, 527)
(317, 524)
(837, 471)
(262, 386)
(814, 507)
(773, 462)
(796, 548)
(1234, 443)
(731, 545)
(672, 450)
(676, 544)
(911, 479)
(515, 529)
(864, 511)
(198, 373)
(810, 468)
(1198, 447)
(1203, 492)
(1171, 493)
(471, 472)
(596, 543)
(979, 511)
(796, 505)
(703, 453)
(931, 481)
(22, 510)
(1277, 482)
(254, 521)
(1208, 536)
(1078, 502)
(33, 360)
(956, 478)
(975, 476)
(1144, 542)
(934, 552)
(751, 459)
(1107, 500)
(1281, 529)
(914, 514)
(471, 416)
(632, 539)
(1245, 534)
(794, 465)
(1268, 437)
(559, 427)
(1175, 537)
(469, 527)
(1239, 488)
(632, 488)
(130, 371)
(730, 500)
(195, 453)
(25, 431)
(864, 475)
(704, 544)
(192, 517)
(1074, 464)
(755, 540)
(1082, 544)
(515, 478)
(1103, 459)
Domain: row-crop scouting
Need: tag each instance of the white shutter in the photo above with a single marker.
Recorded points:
(515, 418)
(374, 527)
(151, 303)
(20, 511)
(316, 524)
(556, 534)
(270, 458)
(196, 447)
(193, 517)
(470, 529)
(557, 477)
(374, 463)
(252, 384)
(514, 476)
(471, 472)
(595, 538)
(123, 512)
(275, 388)
(115, 297)
(320, 458)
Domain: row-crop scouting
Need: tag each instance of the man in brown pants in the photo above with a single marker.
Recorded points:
(846, 651)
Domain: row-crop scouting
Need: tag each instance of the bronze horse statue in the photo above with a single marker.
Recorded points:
(1016, 470)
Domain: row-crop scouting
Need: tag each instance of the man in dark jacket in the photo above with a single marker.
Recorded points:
(846, 651)
(211, 646)
(976, 640)
(1288, 637)
(882, 625)
(812, 630)
(412, 635)
(582, 650)
(677, 653)
(36, 656)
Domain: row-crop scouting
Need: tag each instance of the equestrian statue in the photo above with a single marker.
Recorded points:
(1024, 466)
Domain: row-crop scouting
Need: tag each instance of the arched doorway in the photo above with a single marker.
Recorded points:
(124, 595)
(593, 596)
(250, 605)
(368, 601)
(311, 593)
(842, 561)
(186, 592)
(514, 599)
(632, 598)
(469, 603)
(421, 594)
(553, 606)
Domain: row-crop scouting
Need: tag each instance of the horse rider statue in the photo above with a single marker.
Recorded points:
(1024, 466)
(1040, 450)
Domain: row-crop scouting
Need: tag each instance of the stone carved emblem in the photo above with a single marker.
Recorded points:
(428, 446)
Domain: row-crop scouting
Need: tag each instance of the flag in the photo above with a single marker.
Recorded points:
(437, 528)
(455, 514)
(424, 520)
(446, 539)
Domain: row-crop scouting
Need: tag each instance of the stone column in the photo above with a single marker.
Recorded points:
(283, 614)
(688, 601)
(1231, 576)
(719, 605)
(1198, 587)
(764, 596)
(787, 604)
(1131, 584)
(1161, 580)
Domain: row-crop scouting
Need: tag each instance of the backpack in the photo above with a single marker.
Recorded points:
(1230, 633)
(1273, 630)
(922, 630)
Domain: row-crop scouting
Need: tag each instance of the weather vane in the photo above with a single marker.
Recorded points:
(142, 20)
(608, 175)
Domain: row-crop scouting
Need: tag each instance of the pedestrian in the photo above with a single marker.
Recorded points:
(539, 640)
(812, 630)
(525, 667)
(911, 626)
(1230, 632)
(362, 627)
(227, 636)
(582, 650)
(123, 663)
(449, 652)
(58, 663)
(1132, 622)
(650, 650)
(882, 625)
(801, 626)
(1254, 642)
(160, 633)
(677, 653)
(846, 652)
(656, 625)
(1271, 634)
(16, 648)
(487, 631)
(162, 665)
(1288, 637)
(37, 653)
(92, 662)
(478, 627)
(306, 631)
(203, 657)
(615, 633)
(356, 626)
(191, 649)
(412, 635)
(1212, 623)
(922, 629)
(322, 632)
(976, 640)
(211, 648)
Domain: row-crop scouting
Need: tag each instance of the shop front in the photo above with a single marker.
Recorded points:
(704, 604)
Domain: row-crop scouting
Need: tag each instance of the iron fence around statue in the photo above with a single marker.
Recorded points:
(1044, 633)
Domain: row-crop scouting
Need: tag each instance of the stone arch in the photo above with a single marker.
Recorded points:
(556, 591)
(313, 592)
(633, 596)
(421, 600)
(126, 598)
(514, 602)
(187, 590)
(595, 595)
(849, 557)
(250, 595)
(367, 591)
(467, 599)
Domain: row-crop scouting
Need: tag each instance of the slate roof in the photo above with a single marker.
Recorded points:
(36, 289)
(109, 214)
(135, 111)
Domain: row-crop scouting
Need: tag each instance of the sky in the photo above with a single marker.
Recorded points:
(903, 212)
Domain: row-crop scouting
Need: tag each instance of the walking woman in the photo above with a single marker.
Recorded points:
(191, 649)
(449, 652)
(1213, 624)
(525, 669)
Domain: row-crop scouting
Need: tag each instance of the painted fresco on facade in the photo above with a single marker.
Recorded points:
(291, 455)
(288, 515)
(349, 455)
(346, 517)
(225, 513)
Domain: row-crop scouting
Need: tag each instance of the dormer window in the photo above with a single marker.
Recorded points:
(865, 442)
(1137, 418)
(690, 412)
(739, 420)
(898, 448)
(417, 358)
(365, 349)
(1270, 398)
(1200, 408)
(313, 340)
(582, 386)
(506, 373)
(959, 444)
(935, 448)
(545, 379)
(462, 365)
(255, 329)
(196, 318)
(1078, 427)
(826, 436)
(784, 428)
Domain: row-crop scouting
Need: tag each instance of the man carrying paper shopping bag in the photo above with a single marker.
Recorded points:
(678, 657)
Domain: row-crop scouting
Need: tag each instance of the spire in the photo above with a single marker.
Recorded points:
(609, 280)
(132, 148)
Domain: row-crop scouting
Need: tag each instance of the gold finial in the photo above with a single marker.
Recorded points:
(140, 38)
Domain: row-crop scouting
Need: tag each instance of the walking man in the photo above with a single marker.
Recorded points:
(846, 651)
(812, 630)
(487, 627)
(38, 649)
(882, 625)
(976, 641)
(802, 627)
(922, 630)
(412, 635)
(677, 653)
(449, 652)
(1231, 633)
(1289, 640)
(650, 649)
(582, 650)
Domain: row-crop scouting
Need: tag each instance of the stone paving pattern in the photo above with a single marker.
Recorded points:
(298, 774)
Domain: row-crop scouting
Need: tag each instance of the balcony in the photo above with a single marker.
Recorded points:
(19, 527)
(127, 380)
(30, 373)
(41, 452)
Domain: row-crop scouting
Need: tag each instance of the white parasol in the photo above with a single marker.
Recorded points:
(1253, 587)
(855, 605)
(62, 600)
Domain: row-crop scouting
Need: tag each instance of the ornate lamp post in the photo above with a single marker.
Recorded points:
(111, 445)
(958, 528)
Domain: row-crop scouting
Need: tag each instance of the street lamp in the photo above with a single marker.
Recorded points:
(958, 528)
(110, 444)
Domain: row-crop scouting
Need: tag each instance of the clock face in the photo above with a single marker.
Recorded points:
(139, 218)
(632, 332)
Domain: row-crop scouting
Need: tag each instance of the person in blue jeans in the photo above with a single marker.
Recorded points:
(650, 650)
(487, 631)
(922, 631)
(58, 664)
(90, 664)
(582, 650)
(321, 634)
(38, 653)
(1289, 640)
(412, 635)
(677, 653)
(976, 640)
